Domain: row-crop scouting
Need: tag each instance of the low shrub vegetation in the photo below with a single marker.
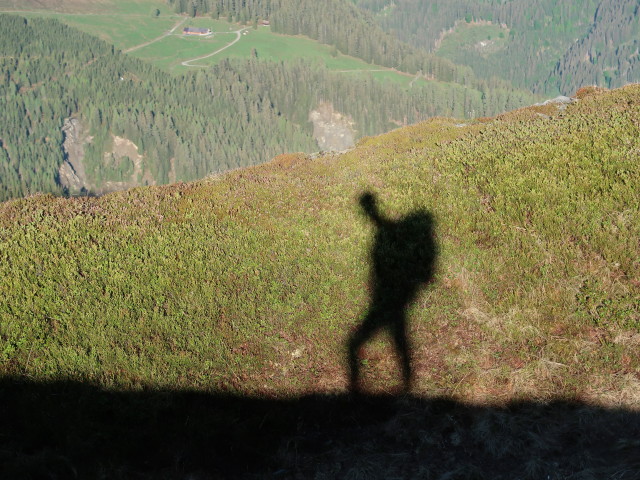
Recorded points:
(251, 282)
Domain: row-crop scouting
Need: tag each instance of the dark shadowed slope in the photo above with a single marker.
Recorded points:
(75, 430)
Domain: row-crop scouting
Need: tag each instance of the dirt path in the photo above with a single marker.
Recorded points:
(365, 70)
(74, 14)
(414, 80)
(189, 63)
(165, 34)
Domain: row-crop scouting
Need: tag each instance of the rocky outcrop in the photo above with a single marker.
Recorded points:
(560, 102)
(122, 155)
(124, 150)
(72, 173)
(332, 130)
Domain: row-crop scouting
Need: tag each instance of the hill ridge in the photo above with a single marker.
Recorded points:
(252, 282)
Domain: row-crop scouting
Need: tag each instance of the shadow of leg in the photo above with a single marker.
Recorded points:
(403, 351)
(366, 330)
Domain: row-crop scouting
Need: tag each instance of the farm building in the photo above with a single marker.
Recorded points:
(196, 31)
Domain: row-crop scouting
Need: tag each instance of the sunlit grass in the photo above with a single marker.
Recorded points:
(251, 280)
(122, 32)
(169, 52)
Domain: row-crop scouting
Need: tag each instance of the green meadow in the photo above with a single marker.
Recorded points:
(277, 47)
(131, 24)
(466, 39)
(92, 7)
(169, 52)
(122, 31)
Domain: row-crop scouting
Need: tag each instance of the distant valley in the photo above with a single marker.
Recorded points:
(196, 105)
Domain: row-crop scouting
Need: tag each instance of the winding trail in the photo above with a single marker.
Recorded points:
(75, 14)
(165, 34)
(414, 80)
(189, 63)
(365, 70)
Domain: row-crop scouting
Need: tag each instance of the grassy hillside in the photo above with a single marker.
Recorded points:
(202, 301)
(171, 51)
(130, 25)
(132, 30)
(140, 7)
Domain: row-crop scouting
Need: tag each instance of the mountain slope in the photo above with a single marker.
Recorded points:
(252, 282)
(535, 220)
(236, 114)
(608, 55)
(546, 46)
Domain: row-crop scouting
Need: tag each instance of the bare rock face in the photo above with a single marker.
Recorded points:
(69, 179)
(122, 155)
(332, 130)
(72, 174)
(560, 102)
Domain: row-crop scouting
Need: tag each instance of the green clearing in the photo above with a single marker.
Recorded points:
(483, 40)
(169, 52)
(122, 31)
(139, 7)
(122, 23)
(277, 47)
(88, 7)
(215, 25)
(266, 44)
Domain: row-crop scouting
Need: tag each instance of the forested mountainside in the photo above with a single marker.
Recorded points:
(609, 54)
(544, 45)
(200, 330)
(52, 72)
(236, 114)
(337, 22)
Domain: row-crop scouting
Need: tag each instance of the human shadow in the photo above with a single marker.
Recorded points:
(403, 260)
(75, 430)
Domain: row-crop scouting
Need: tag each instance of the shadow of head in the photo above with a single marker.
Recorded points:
(369, 204)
